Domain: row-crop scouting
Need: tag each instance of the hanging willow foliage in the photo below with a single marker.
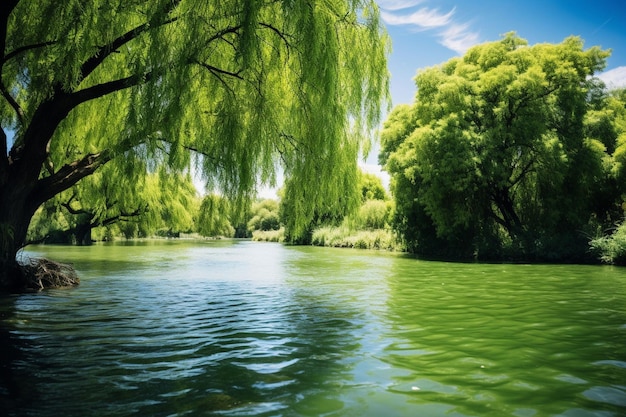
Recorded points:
(252, 86)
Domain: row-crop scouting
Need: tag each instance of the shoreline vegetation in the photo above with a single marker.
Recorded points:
(41, 273)
(369, 226)
(609, 249)
(111, 123)
(504, 156)
(340, 237)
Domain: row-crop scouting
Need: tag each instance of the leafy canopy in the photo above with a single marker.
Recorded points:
(246, 84)
(500, 149)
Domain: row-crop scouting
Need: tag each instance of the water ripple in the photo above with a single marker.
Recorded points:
(244, 329)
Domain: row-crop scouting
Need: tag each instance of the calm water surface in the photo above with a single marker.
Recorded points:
(259, 329)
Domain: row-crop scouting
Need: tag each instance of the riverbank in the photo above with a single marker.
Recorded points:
(340, 237)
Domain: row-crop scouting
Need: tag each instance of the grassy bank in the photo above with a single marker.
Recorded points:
(344, 237)
(340, 237)
(269, 235)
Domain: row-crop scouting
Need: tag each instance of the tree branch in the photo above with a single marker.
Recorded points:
(190, 148)
(69, 174)
(25, 48)
(220, 34)
(50, 113)
(6, 8)
(72, 210)
(4, 159)
(104, 51)
(216, 70)
(14, 104)
(528, 168)
(282, 35)
(123, 216)
(101, 90)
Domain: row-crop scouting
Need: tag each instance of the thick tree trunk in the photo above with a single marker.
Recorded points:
(507, 215)
(82, 233)
(15, 216)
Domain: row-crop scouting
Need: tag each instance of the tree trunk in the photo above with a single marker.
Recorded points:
(15, 216)
(82, 233)
(508, 216)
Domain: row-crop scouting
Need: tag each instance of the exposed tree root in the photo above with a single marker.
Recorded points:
(42, 273)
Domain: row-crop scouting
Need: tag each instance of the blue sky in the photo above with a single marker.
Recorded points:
(429, 32)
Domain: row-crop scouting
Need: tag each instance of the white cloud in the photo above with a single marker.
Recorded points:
(614, 78)
(423, 19)
(459, 38)
(453, 35)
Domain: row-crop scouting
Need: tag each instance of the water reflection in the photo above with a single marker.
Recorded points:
(212, 330)
(11, 384)
(247, 329)
(491, 342)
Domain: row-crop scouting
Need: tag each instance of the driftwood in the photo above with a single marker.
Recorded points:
(44, 273)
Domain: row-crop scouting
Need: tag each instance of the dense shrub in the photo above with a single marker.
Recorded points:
(269, 235)
(345, 237)
(612, 248)
(373, 214)
(264, 216)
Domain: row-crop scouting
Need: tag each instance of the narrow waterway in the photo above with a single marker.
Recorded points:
(228, 328)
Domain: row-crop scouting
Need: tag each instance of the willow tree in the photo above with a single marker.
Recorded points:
(248, 84)
(162, 201)
(494, 153)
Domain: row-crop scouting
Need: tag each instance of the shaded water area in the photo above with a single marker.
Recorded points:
(226, 328)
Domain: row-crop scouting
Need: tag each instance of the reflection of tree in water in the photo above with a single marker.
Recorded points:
(17, 388)
(476, 339)
(325, 339)
(295, 338)
(240, 347)
(288, 357)
(326, 313)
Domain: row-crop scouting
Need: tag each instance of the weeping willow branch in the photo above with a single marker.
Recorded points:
(70, 174)
(25, 48)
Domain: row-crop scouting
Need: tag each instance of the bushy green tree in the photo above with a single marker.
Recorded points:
(608, 120)
(494, 153)
(248, 84)
(612, 248)
(264, 215)
(371, 187)
(172, 203)
(215, 217)
(154, 201)
(373, 214)
(323, 209)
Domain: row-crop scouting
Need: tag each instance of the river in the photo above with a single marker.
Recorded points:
(239, 328)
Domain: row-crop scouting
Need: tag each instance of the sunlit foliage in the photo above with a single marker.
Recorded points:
(508, 151)
(249, 85)
(264, 215)
(215, 217)
(164, 202)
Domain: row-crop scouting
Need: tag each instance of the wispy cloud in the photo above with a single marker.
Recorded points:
(423, 19)
(456, 36)
(614, 78)
(459, 37)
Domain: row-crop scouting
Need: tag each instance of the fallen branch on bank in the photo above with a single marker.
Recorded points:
(44, 273)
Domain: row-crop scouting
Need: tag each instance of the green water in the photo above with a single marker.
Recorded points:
(227, 328)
